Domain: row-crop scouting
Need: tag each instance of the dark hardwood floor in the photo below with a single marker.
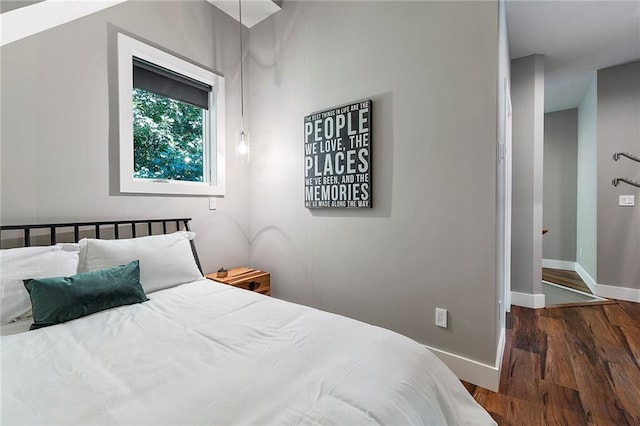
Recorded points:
(566, 278)
(569, 366)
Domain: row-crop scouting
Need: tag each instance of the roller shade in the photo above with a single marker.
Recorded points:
(164, 82)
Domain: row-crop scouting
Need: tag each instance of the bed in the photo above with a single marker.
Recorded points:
(201, 352)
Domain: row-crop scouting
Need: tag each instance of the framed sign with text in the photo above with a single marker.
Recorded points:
(337, 157)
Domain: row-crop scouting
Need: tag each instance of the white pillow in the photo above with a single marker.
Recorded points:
(22, 263)
(165, 260)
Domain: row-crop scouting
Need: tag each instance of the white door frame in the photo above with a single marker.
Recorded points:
(508, 168)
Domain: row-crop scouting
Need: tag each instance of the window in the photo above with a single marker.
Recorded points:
(171, 123)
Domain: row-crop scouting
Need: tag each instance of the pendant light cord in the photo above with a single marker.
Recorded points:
(241, 70)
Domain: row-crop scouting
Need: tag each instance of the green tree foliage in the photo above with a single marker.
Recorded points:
(167, 138)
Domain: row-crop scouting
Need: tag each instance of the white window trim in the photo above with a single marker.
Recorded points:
(212, 185)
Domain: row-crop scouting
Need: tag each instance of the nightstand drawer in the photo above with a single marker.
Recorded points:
(260, 284)
(247, 279)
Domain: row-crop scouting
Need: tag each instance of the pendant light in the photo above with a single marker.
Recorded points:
(242, 137)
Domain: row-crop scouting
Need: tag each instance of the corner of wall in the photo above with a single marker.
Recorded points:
(527, 77)
(480, 374)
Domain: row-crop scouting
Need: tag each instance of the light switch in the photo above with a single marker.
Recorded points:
(213, 203)
(627, 200)
(441, 317)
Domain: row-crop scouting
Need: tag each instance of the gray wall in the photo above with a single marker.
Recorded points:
(560, 185)
(59, 123)
(527, 96)
(618, 131)
(587, 187)
(430, 239)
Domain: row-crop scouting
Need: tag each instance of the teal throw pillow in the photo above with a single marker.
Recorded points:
(57, 300)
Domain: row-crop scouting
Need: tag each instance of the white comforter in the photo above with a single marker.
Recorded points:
(206, 353)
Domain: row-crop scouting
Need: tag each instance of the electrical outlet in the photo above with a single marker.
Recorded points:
(441, 317)
(213, 203)
(627, 200)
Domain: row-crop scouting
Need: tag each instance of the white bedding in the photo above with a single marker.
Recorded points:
(207, 353)
(15, 327)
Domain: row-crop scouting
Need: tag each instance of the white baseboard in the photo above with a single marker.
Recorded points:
(621, 293)
(483, 375)
(588, 280)
(533, 301)
(608, 291)
(559, 264)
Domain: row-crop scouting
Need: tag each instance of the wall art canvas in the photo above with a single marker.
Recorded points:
(337, 157)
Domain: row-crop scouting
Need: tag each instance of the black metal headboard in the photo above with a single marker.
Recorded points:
(131, 225)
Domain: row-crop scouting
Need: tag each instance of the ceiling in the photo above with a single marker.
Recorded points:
(22, 18)
(577, 38)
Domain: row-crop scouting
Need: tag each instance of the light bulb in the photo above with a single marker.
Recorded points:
(242, 145)
(243, 148)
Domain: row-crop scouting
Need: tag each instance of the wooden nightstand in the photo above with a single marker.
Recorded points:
(246, 278)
